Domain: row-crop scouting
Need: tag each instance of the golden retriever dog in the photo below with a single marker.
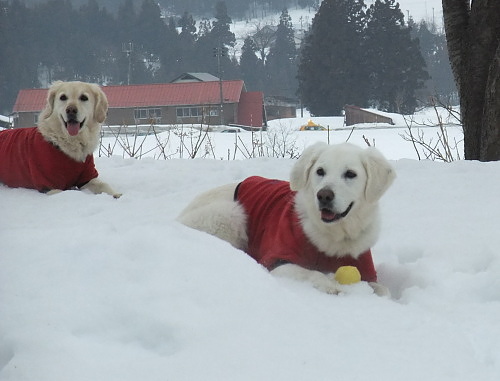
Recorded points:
(58, 154)
(324, 218)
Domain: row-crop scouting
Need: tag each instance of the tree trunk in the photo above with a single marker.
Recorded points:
(472, 34)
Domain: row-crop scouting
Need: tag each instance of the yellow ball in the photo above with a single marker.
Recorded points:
(347, 275)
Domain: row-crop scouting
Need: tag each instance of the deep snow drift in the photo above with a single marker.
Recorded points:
(93, 288)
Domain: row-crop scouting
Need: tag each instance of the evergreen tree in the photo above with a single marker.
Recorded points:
(56, 27)
(397, 68)
(214, 41)
(127, 19)
(221, 26)
(252, 68)
(170, 54)
(149, 43)
(187, 39)
(188, 26)
(150, 27)
(331, 71)
(17, 51)
(435, 53)
(223, 40)
(99, 45)
(281, 64)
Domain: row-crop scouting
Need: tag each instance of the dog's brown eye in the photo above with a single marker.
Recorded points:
(350, 174)
(84, 98)
(320, 172)
(63, 97)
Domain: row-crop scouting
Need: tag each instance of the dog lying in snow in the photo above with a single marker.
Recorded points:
(57, 155)
(326, 217)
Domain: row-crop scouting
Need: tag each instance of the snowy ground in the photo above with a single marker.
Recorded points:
(93, 288)
(284, 140)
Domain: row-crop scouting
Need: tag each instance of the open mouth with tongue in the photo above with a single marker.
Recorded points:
(73, 126)
(328, 215)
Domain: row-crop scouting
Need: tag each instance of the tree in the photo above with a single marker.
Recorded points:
(331, 72)
(251, 66)
(435, 53)
(170, 53)
(221, 26)
(396, 66)
(187, 39)
(18, 52)
(99, 44)
(264, 37)
(188, 26)
(281, 64)
(472, 32)
(214, 41)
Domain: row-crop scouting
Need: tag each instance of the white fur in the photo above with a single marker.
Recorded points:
(216, 213)
(91, 105)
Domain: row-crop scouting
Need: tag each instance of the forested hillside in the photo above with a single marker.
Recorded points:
(148, 41)
(237, 8)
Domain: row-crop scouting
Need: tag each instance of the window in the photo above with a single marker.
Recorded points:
(189, 112)
(147, 114)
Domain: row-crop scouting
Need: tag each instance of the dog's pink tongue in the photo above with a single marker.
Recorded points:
(326, 215)
(73, 128)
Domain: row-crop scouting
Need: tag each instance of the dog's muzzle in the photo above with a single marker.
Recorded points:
(73, 126)
(325, 202)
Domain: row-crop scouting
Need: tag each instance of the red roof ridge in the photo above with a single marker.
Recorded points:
(148, 95)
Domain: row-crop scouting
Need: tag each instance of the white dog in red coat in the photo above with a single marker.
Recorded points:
(57, 155)
(324, 218)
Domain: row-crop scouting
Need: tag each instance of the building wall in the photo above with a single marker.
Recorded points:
(356, 115)
(191, 114)
(147, 115)
(26, 119)
(279, 112)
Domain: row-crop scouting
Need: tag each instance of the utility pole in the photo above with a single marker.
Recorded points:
(219, 52)
(128, 48)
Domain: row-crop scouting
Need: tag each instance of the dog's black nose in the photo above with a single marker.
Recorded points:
(325, 196)
(71, 111)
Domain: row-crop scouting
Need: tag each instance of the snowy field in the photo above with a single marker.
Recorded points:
(284, 140)
(93, 288)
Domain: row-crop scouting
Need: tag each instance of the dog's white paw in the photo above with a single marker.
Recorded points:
(380, 290)
(324, 283)
(329, 288)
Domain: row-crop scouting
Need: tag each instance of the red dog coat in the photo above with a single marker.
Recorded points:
(275, 235)
(27, 160)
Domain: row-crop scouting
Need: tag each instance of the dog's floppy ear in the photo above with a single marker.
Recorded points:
(101, 103)
(49, 105)
(301, 169)
(380, 174)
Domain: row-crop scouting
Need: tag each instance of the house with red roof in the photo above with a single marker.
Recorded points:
(210, 102)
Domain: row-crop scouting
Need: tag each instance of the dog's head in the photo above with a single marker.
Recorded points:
(341, 178)
(75, 106)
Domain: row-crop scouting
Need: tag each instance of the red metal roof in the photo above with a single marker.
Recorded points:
(164, 94)
(30, 100)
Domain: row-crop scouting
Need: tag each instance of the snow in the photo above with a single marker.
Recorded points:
(93, 288)
(283, 138)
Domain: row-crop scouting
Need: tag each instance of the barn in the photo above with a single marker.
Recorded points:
(356, 115)
(210, 102)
